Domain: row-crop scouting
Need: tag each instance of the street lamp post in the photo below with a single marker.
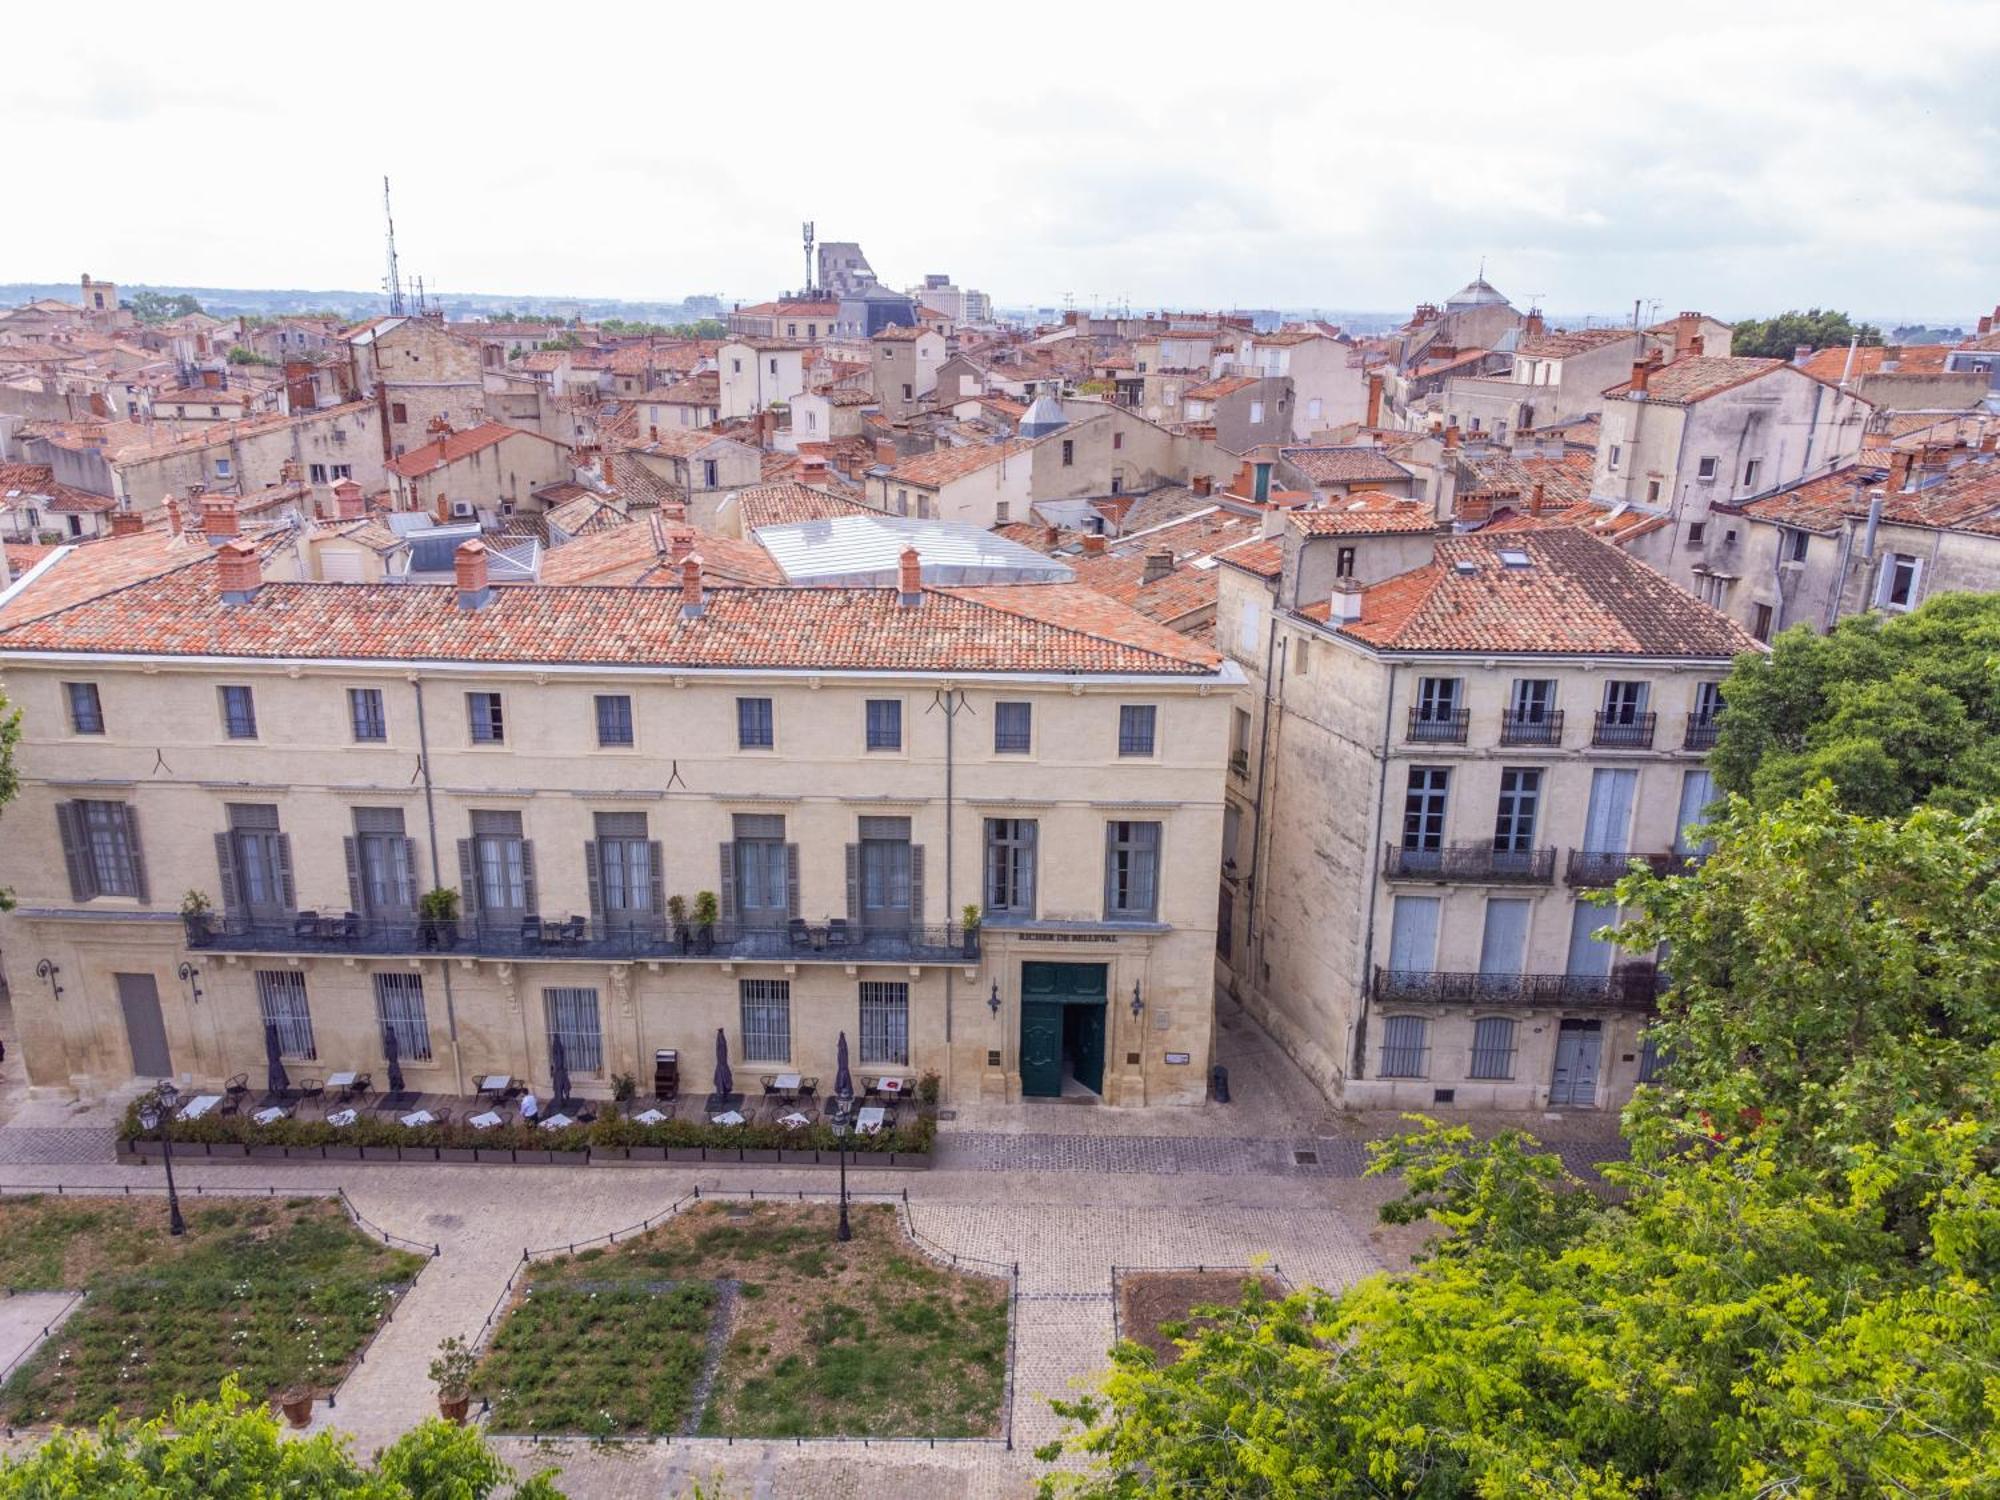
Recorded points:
(843, 1106)
(156, 1112)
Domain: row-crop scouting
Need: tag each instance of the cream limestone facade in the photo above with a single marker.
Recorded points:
(141, 996)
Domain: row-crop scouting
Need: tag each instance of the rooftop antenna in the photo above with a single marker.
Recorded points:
(393, 285)
(809, 254)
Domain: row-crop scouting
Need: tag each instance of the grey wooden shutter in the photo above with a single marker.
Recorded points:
(351, 846)
(854, 883)
(283, 843)
(727, 892)
(917, 884)
(656, 855)
(411, 880)
(791, 880)
(225, 865)
(136, 853)
(1029, 832)
(468, 879)
(69, 825)
(593, 878)
(528, 877)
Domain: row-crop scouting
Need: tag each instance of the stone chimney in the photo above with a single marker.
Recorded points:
(812, 468)
(1343, 604)
(1801, 353)
(909, 577)
(885, 453)
(1204, 484)
(1533, 326)
(1535, 500)
(173, 510)
(680, 545)
(218, 519)
(1695, 346)
(1986, 325)
(349, 504)
(1374, 418)
(1642, 373)
(1899, 470)
(1451, 437)
(674, 510)
(238, 571)
(468, 565)
(1687, 328)
(691, 606)
(604, 469)
(1986, 441)
(1158, 565)
(1473, 509)
(1093, 544)
(127, 523)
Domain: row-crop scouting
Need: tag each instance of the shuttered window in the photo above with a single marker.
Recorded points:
(626, 882)
(281, 997)
(485, 721)
(499, 855)
(885, 1023)
(571, 1013)
(1010, 866)
(1013, 728)
(86, 712)
(383, 867)
(1135, 728)
(364, 712)
(614, 719)
(1131, 871)
(1404, 1041)
(767, 1019)
(399, 1007)
(1492, 1047)
(753, 724)
(885, 723)
(239, 713)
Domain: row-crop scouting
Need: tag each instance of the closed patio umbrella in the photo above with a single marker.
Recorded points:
(392, 1055)
(276, 1078)
(559, 1070)
(725, 1082)
(843, 1081)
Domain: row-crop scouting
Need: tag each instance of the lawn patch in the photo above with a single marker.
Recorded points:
(278, 1292)
(820, 1339)
(1157, 1307)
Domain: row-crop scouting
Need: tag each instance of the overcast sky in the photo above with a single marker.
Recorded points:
(1740, 158)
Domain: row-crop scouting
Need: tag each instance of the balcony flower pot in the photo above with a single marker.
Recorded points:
(910, 1161)
(417, 1153)
(454, 1408)
(297, 1405)
(871, 1158)
(305, 1153)
(534, 1158)
(127, 1147)
(151, 1148)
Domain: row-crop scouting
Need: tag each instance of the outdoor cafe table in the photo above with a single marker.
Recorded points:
(269, 1116)
(342, 1117)
(557, 1122)
(200, 1105)
(342, 1080)
(496, 1083)
(484, 1122)
(650, 1117)
(795, 1121)
(727, 1117)
(418, 1117)
(787, 1084)
(870, 1119)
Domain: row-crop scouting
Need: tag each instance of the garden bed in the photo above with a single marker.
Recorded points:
(279, 1292)
(1157, 1307)
(815, 1338)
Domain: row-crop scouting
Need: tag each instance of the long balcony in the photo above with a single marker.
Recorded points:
(531, 938)
(1624, 731)
(1630, 987)
(1439, 728)
(1473, 862)
(1701, 732)
(1595, 867)
(1527, 729)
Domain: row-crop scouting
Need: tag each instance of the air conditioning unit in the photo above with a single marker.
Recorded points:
(463, 509)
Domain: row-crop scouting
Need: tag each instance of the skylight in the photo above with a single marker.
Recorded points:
(1514, 559)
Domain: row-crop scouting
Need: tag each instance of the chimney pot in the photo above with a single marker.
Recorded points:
(1204, 484)
(348, 501)
(1451, 436)
(218, 518)
(238, 571)
(1535, 500)
(1093, 544)
(604, 468)
(1158, 566)
(1801, 353)
(1986, 441)
(680, 544)
(1642, 372)
(910, 576)
(1695, 345)
(1899, 470)
(468, 566)
(1374, 400)
(1344, 602)
(127, 523)
(691, 605)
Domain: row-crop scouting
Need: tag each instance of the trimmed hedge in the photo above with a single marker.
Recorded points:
(608, 1132)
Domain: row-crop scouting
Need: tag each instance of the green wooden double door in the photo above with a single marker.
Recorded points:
(1062, 1021)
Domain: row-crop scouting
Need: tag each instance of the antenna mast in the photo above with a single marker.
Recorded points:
(809, 254)
(394, 284)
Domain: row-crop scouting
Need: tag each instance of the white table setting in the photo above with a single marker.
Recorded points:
(727, 1117)
(342, 1117)
(419, 1117)
(794, 1121)
(484, 1122)
(650, 1117)
(269, 1115)
(869, 1121)
(557, 1122)
(199, 1105)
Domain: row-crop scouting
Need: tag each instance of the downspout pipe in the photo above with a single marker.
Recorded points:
(437, 876)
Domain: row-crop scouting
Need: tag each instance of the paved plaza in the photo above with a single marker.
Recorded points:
(1067, 1192)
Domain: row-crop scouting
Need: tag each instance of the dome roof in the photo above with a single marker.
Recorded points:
(1478, 292)
(1044, 417)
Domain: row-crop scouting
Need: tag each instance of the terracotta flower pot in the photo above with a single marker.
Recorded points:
(297, 1407)
(454, 1408)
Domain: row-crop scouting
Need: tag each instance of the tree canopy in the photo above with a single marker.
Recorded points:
(1779, 337)
(230, 1449)
(159, 307)
(1892, 713)
(1794, 1295)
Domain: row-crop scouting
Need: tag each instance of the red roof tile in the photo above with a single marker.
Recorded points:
(1344, 465)
(454, 446)
(1700, 376)
(1366, 513)
(941, 467)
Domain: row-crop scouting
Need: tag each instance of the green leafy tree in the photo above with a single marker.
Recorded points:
(1892, 713)
(1817, 328)
(566, 340)
(1792, 1294)
(230, 1449)
(701, 328)
(240, 355)
(159, 307)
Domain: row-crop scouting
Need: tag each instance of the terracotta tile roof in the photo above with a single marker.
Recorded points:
(847, 396)
(637, 485)
(1286, 337)
(897, 333)
(1984, 343)
(1182, 592)
(194, 395)
(1565, 342)
(636, 556)
(683, 442)
(1911, 359)
(1564, 481)
(588, 512)
(1215, 390)
(103, 568)
(17, 557)
(1458, 360)
(1700, 376)
(1366, 513)
(704, 389)
(785, 503)
(1058, 628)
(37, 485)
(454, 446)
(1266, 558)
(1575, 595)
(1966, 498)
(944, 465)
(1344, 465)
(128, 442)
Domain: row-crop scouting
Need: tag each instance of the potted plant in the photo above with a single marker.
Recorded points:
(970, 919)
(677, 913)
(927, 1090)
(451, 1373)
(296, 1402)
(437, 911)
(198, 915)
(706, 911)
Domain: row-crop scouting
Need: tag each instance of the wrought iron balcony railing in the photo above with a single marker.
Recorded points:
(1471, 862)
(1701, 732)
(585, 938)
(1439, 729)
(1609, 866)
(1528, 729)
(1629, 987)
(1624, 732)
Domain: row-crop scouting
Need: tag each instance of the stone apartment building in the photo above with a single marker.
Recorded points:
(417, 371)
(1678, 438)
(491, 468)
(759, 372)
(1241, 412)
(842, 768)
(1329, 379)
(1556, 377)
(905, 362)
(1447, 745)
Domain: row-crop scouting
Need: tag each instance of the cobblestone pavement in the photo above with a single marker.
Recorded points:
(1155, 1155)
(57, 1145)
